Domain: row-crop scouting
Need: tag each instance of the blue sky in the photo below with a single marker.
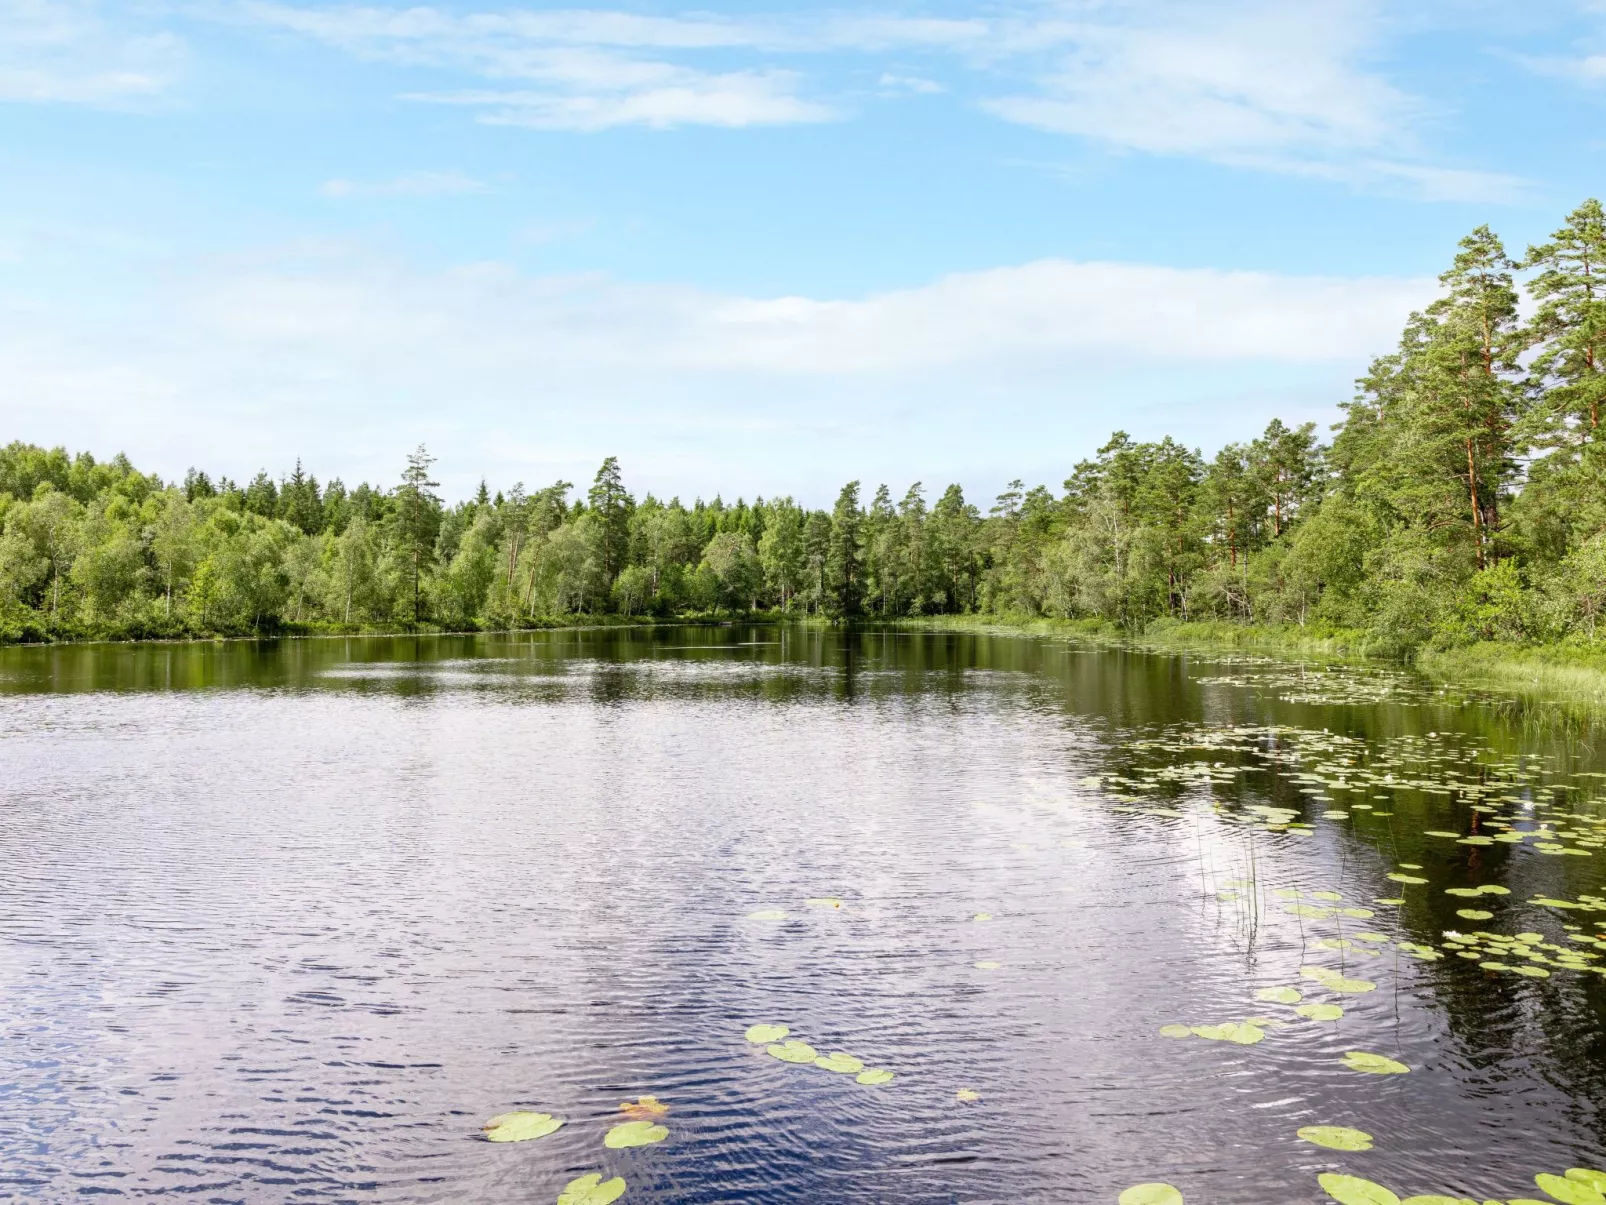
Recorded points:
(746, 249)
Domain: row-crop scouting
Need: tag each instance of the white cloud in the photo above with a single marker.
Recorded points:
(1273, 87)
(1256, 84)
(408, 184)
(66, 52)
(482, 360)
(894, 84)
(733, 99)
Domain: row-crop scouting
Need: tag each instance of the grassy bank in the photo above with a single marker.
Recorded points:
(1165, 635)
(1562, 673)
(1571, 675)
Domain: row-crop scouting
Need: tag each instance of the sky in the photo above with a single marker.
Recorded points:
(749, 249)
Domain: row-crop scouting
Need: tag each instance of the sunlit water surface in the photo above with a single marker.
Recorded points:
(289, 922)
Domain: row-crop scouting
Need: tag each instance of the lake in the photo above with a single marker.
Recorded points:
(292, 921)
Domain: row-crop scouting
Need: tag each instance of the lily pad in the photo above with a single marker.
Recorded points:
(592, 1189)
(1411, 879)
(981, 916)
(767, 914)
(1376, 1064)
(1584, 1175)
(987, 964)
(823, 902)
(1279, 995)
(1474, 914)
(874, 1077)
(1337, 1138)
(648, 1108)
(839, 1061)
(1231, 1031)
(1570, 1192)
(1175, 1031)
(1352, 1190)
(761, 1035)
(1151, 1194)
(1352, 987)
(634, 1133)
(520, 1126)
(1320, 1012)
(967, 1095)
(794, 1051)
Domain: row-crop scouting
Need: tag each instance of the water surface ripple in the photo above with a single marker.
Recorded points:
(290, 921)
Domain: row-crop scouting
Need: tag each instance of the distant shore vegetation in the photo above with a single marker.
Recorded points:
(1461, 500)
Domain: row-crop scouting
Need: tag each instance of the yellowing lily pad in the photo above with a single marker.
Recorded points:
(648, 1108)
(520, 1126)
(1175, 1031)
(1151, 1194)
(794, 1051)
(1320, 1012)
(1570, 1192)
(987, 964)
(1584, 1175)
(1231, 1031)
(1352, 1190)
(1353, 987)
(767, 914)
(1279, 995)
(1337, 1138)
(1376, 1064)
(634, 1133)
(592, 1189)
(838, 1061)
(761, 1035)
(874, 1077)
(967, 1095)
(823, 902)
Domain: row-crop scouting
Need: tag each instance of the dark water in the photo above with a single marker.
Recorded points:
(289, 922)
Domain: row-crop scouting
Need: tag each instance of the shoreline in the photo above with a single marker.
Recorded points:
(1567, 676)
(1571, 676)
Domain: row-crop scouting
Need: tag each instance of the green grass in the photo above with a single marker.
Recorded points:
(1569, 674)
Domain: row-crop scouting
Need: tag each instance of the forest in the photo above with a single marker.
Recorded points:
(1461, 498)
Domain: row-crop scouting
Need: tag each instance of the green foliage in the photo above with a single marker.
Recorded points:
(1461, 504)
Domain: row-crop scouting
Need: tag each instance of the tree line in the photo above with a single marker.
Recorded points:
(1462, 497)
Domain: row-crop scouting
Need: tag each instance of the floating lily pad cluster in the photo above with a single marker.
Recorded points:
(1579, 1186)
(591, 1188)
(778, 1044)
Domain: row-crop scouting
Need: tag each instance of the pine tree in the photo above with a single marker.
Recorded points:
(418, 514)
(844, 567)
(612, 504)
(1569, 327)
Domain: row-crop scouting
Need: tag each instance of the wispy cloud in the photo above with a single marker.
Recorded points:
(1272, 87)
(679, 98)
(408, 184)
(69, 52)
(1269, 87)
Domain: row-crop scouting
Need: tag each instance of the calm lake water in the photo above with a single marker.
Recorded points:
(290, 921)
